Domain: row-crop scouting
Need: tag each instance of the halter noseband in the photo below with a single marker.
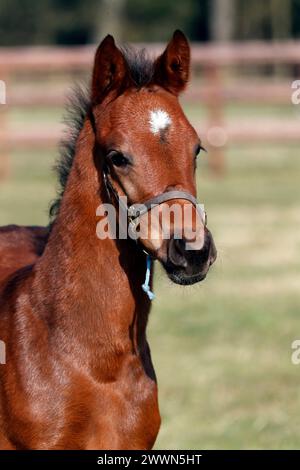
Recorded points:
(135, 211)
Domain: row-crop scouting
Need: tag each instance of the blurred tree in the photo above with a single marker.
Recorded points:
(18, 22)
(281, 26)
(156, 20)
(253, 20)
(281, 18)
(67, 21)
(222, 20)
(24, 22)
(110, 19)
(295, 18)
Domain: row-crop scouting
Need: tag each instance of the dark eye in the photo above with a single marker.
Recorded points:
(118, 159)
(198, 149)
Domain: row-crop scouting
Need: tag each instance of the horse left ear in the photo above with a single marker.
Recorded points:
(172, 68)
(110, 73)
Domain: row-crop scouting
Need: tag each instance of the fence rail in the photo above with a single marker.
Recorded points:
(240, 91)
(72, 58)
(214, 92)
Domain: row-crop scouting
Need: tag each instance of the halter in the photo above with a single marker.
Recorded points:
(135, 211)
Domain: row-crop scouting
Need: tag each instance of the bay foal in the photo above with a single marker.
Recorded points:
(73, 316)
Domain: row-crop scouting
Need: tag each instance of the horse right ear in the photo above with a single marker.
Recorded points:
(110, 72)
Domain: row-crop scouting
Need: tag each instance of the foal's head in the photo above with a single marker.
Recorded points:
(148, 147)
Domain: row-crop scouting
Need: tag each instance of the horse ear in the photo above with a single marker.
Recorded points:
(172, 68)
(110, 70)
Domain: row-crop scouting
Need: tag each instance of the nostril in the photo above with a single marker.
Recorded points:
(177, 252)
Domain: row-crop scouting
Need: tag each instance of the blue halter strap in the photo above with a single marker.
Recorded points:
(146, 285)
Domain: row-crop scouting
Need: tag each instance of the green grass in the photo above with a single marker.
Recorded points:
(26, 194)
(221, 349)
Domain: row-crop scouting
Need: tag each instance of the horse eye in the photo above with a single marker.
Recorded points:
(118, 159)
(198, 149)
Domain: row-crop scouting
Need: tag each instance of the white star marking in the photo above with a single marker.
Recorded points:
(159, 120)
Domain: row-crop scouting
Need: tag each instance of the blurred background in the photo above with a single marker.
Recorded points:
(222, 349)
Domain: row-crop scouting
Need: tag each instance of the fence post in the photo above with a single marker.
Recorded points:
(4, 147)
(216, 134)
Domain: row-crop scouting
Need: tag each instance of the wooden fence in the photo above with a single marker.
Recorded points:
(213, 60)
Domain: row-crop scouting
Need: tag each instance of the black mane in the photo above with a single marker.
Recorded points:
(141, 66)
(79, 105)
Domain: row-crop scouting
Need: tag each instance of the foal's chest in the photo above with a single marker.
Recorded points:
(120, 414)
(125, 414)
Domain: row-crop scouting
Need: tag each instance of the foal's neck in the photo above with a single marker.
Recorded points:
(91, 288)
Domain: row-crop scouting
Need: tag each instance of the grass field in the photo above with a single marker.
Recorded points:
(222, 349)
